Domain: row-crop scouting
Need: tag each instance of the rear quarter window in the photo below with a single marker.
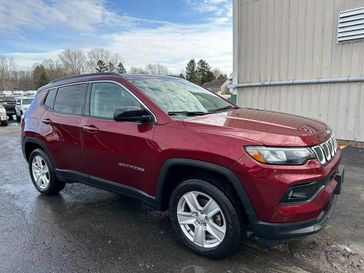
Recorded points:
(49, 101)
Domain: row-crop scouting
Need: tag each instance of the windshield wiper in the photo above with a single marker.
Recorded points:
(187, 113)
(222, 109)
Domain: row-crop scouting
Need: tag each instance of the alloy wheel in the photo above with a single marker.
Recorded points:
(40, 172)
(201, 219)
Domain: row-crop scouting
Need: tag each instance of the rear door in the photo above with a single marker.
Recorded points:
(64, 138)
(120, 152)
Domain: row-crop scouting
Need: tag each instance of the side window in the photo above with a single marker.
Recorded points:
(49, 101)
(69, 99)
(107, 97)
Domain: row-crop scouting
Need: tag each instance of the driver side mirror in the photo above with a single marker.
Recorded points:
(132, 114)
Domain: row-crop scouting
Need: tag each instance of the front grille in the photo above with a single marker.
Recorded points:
(326, 150)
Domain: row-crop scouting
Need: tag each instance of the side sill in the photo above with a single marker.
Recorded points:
(69, 176)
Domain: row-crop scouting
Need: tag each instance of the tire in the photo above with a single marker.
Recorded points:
(4, 123)
(47, 182)
(226, 224)
(18, 118)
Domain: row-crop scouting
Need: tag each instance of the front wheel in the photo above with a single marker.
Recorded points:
(205, 219)
(4, 123)
(42, 173)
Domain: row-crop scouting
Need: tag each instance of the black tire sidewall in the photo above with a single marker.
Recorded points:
(234, 229)
(53, 186)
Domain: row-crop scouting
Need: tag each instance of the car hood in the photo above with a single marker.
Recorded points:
(263, 127)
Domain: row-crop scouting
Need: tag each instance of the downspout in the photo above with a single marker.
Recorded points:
(297, 82)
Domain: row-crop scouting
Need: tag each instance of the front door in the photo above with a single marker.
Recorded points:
(119, 152)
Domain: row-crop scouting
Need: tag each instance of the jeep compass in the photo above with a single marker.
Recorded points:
(220, 170)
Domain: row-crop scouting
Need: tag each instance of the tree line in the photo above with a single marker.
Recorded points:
(75, 62)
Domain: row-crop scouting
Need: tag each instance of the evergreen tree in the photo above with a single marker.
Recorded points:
(111, 67)
(204, 73)
(40, 76)
(101, 66)
(181, 76)
(120, 69)
(44, 79)
(191, 72)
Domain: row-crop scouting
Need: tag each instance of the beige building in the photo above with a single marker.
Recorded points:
(304, 57)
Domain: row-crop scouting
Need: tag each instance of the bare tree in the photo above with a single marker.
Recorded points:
(217, 72)
(24, 80)
(54, 69)
(7, 65)
(156, 69)
(94, 56)
(74, 61)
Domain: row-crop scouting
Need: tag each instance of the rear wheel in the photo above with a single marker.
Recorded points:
(204, 219)
(42, 173)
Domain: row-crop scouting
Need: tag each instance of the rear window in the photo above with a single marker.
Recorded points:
(49, 101)
(27, 101)
(69, 99)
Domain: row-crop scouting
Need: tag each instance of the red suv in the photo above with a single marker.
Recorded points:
(219, 169)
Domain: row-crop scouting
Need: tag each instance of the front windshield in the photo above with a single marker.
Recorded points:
(178, 96)
(27, 101)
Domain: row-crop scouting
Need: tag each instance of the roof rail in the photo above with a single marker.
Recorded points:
(86, 75)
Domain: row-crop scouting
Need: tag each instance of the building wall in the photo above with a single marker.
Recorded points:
(339, 105)
(283, 40)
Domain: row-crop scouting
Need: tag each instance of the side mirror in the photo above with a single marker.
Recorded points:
(132, 114)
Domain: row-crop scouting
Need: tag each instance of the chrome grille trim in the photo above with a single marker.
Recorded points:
(326, 151)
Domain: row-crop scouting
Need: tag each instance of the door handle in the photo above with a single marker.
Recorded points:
(47, 121)
(90, 128)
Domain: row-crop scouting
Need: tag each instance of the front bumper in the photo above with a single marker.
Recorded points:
(280, 231)
(3, 117)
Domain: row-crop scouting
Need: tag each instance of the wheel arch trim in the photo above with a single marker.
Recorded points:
(231, 177)
(36, 141)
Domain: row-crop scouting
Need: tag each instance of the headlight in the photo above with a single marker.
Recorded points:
(280, 156)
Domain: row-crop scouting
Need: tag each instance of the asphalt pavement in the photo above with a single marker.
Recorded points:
(85, 229)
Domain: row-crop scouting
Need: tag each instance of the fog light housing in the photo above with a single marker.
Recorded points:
(302, 193)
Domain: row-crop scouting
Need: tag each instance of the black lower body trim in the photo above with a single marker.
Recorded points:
(72, 176)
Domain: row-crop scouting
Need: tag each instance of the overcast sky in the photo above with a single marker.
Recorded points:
(169, 32)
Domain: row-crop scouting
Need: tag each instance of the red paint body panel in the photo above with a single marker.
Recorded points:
(266, 185)
(264, 127)
(215, 138)
(119, 143)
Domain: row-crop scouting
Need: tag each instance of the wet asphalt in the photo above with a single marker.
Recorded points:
(85, 229)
